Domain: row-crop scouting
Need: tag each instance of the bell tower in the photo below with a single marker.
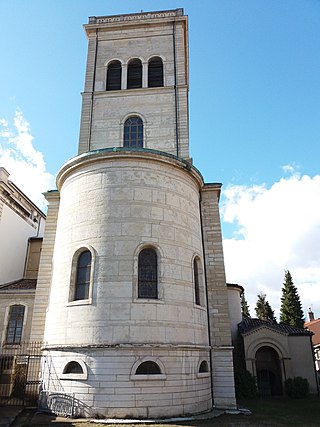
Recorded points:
(136, 85)
(131, 300)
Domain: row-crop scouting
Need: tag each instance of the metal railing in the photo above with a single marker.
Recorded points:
(20, 367)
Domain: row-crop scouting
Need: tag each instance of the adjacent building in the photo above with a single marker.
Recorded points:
(313, 325)
(272, 352)
(21, 231)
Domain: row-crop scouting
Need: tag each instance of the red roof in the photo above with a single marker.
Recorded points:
(314, 326)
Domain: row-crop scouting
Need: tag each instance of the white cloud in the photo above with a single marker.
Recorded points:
(290, 168)
(24, 163)
(278, 229)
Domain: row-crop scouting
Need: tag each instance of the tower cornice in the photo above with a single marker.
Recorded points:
(131, 154)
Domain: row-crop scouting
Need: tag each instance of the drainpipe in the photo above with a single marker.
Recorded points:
(92, 91)
(175, 86)
(207, 300)
(284, 375)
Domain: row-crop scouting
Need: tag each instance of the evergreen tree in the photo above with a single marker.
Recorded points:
(244, 307)
(263, 308)
(291, 312)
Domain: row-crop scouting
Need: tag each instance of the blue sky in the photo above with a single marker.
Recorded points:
(254, 118)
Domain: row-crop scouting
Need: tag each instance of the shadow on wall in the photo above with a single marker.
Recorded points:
(63, 404)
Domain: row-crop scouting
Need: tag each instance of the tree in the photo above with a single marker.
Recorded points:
(291, 312)
(244, 307)
(263, 308)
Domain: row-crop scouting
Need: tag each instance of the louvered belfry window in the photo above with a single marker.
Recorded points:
(148, 274)
(133, 132)
(155, 72)
(134, 78)
(114, 76)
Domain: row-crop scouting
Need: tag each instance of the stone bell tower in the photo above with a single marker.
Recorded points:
(131, 282)
(137, 64)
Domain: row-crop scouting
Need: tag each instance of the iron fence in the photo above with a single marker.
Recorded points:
(20, 374)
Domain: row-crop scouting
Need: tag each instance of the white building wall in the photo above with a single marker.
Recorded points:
(234, 300)
(14, 235)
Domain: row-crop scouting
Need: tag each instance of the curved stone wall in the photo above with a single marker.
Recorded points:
(115, 204)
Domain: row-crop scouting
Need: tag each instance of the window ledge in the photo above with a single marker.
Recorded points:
(152, 377)
(83, 376)
(148, 300)
(200, 307)
(80, 302)
(203, 374)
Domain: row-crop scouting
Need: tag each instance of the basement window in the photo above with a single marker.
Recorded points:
(148, 370)
(203, 370)
(74, 370)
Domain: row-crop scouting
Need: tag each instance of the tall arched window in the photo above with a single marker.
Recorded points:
(133, 132)
(83, 272)
(114, 76)
(134, 77)
(15, 324)
(148, 274)
(155, 72)
(196, 281)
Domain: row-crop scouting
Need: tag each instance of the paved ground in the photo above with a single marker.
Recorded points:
(8, 414)
(16, 416)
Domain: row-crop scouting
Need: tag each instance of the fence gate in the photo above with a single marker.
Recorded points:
(20, 374)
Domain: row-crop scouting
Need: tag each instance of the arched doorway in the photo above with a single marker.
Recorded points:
(268, 372)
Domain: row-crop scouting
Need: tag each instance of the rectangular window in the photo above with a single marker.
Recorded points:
(15, 324)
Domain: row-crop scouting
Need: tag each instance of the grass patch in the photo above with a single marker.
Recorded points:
(285, 411)
(275, 412)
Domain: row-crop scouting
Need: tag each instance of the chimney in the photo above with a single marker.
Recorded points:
(311, 315)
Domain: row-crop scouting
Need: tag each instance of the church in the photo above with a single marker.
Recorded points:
(131, 300)
(131, 306)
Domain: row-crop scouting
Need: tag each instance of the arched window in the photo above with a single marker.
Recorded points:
(83, 272)
(15, 324)
(73, 368)
(148, 274)
(134, 77)
(133, 132)
(148, 368)
(203, 367)
(196, 281)
(155, 72)
(114, 76)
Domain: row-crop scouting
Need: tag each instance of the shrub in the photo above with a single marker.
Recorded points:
(297, 387)
(245, 384)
